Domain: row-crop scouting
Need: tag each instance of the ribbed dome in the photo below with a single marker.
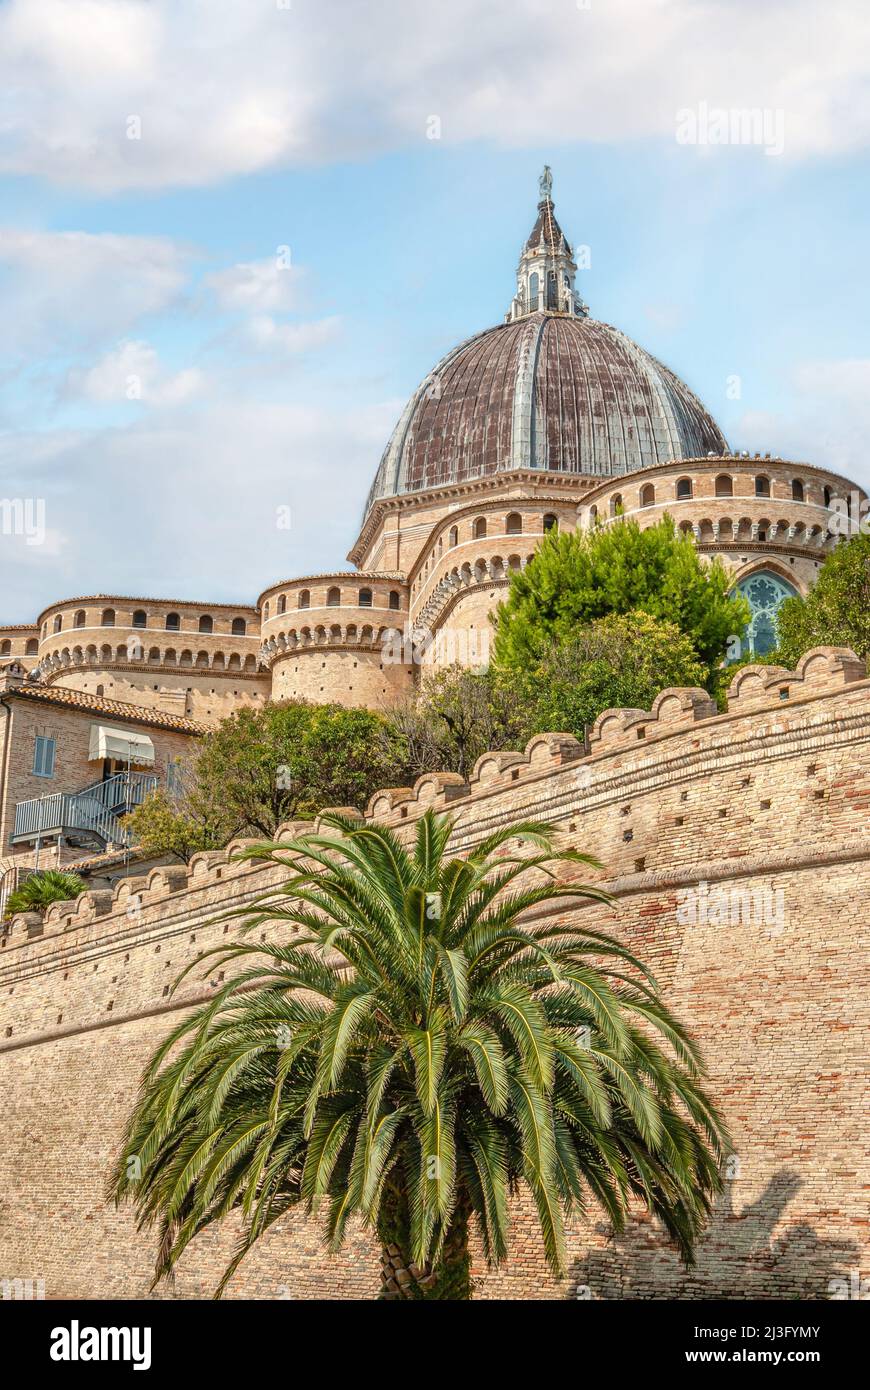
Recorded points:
(547, 391)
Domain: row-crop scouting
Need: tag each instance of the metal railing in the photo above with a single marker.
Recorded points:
(93, 812)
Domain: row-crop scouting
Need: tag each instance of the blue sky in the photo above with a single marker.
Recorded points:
(257, 385)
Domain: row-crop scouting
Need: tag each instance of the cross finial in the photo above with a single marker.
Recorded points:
(545, 184)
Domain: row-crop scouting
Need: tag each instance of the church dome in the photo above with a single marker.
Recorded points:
(549, 389)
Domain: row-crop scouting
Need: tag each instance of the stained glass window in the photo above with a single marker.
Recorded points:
(765, 592)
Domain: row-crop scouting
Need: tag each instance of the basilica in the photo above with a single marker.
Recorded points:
(551, 418)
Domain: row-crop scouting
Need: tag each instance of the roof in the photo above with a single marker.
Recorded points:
(546, 231)
(548, 391)
(98, 704)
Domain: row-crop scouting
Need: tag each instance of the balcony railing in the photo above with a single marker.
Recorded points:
(86, 817)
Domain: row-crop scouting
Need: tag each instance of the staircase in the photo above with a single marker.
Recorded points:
(89, 819)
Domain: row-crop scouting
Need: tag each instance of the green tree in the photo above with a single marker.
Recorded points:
(166, 824)
(620, 660)
(836, 612)
(453, 717)
(39, 890)
(576, 577)
(467, 1041)
(261, 767)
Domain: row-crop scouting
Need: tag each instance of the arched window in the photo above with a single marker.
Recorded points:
(593, 514)
(266, 611)
(239, 627)
(552, 291)
(304, 600)
(206, 624)
(108, 618)
(762, 487)
(100, 690)
(32, 647)
(827, 496)
(647, 495)
(533, 290)
(513, 524)
(394, 598)
(365, 598)
(766, 593)
(140, 618)
(684, 488)
(453, 538)
(551, 522)
(479, 528)
(79, 620)
(797, 490)
(6, 648)
(616, 504)
(333, 598)
(58, 622)
(173, 622)
(724, 485)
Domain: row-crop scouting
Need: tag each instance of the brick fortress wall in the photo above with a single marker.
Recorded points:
(765, 805)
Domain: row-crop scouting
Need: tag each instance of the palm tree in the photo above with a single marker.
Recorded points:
(43, 888)
(432, 1034)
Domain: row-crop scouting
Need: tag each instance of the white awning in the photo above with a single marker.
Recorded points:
(121, 744)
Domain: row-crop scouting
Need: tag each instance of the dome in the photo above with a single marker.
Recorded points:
(547, 391)
(551, 388)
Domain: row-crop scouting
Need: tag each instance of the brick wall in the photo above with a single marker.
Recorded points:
(769, 799)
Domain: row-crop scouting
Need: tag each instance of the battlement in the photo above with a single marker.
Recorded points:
(627, 745)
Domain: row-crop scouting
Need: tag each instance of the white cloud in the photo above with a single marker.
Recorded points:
(267, 286)
(61, 289)
(133, 372)
(233, 88)
(829, 423)
(203, 489)
(267, 334)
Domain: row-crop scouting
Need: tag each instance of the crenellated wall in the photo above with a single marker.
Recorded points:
(736, 847)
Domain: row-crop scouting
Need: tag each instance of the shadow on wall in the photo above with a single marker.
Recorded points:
(741, 1257)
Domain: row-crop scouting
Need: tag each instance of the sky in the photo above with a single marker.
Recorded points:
(235, 236)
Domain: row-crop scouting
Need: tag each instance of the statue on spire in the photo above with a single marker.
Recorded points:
(545, 185)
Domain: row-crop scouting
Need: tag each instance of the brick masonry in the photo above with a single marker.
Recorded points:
(768, 798)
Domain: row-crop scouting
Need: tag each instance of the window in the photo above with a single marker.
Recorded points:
(304, 600)
(333, 598)
(593, 515)
(533, 290)
(647, 495)
(266, 611)
(140, 618)
(765, 592)
(513, 524)
(762, 487)
(394, 598)
(239, 627)
(6, 648)
(206, 624)
(616, 504)
(724, 485)
(32, 647)
(551, 522)
(79, 620)
(797, 490)
(365, 598)
(108, 618)
(173, 622)
(478, 531)
(684, 488)
(453, 538)
(43, 756)
(552, 295)
(58, 622)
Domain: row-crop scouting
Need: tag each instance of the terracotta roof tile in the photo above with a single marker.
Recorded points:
(98, 704)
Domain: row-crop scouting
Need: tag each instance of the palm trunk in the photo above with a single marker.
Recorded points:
(401, 1278)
